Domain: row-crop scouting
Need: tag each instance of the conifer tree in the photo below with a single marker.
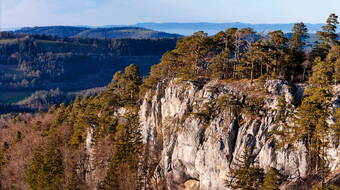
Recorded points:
(272, 180)
(257, 58)
(322, 76)
(333, 61)
(46, 168)
(310, 125)
(125, 86)
(279, 55)
(300, 33)
(123, 169)
(220, 66)
(246, 175)
(328, 35)
(297, 44)
(328, 187)
(336, 127)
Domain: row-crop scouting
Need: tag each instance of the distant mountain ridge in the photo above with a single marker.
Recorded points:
(97, 33)
(213, 28)
(156, 30)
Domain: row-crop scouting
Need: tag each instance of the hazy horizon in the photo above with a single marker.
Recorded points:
(29, 13)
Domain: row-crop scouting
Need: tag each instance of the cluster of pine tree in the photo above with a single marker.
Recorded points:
(245, 54)
(310, 124)
(247, 175)
(46, 169)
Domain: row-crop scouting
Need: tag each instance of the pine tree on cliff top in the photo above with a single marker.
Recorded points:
(328, 35)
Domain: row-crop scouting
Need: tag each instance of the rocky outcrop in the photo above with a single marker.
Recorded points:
(197, 136)
(91, 178)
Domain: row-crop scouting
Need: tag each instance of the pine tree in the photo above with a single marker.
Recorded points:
(272, 180)
(322, 76)
(123, 169)
(125, 86)
(328, 35)
(336, 127)
(297, 44)
(46, 170)
(256, 58)
(333, 60)
(310, 125)
(330, 30)
(279, 55)
(300, 33)
(246, 175)
(220, 66)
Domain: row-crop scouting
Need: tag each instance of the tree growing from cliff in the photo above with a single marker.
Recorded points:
(246, 175)
(336, 126)
(310, 125)
(123, 169)
(272, 180)
(333, 62)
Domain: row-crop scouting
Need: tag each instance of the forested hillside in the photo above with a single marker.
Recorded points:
(235, 110)
(97, 33)
(37, 62)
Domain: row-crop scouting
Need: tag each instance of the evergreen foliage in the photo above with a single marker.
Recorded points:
(300, 33)
(310, 125)
(328, 35)
(272, 180)
(123, 169)
(234, 54)
(246, 175)
(46, 168)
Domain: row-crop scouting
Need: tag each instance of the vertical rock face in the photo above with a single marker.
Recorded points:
(90, 174)
(198, 152)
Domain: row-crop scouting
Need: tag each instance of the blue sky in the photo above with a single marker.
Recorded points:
(18, 13)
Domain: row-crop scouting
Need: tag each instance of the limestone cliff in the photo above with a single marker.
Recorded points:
(197, 134)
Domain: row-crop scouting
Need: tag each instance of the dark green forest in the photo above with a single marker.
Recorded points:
(32, 62)
(29, 63)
